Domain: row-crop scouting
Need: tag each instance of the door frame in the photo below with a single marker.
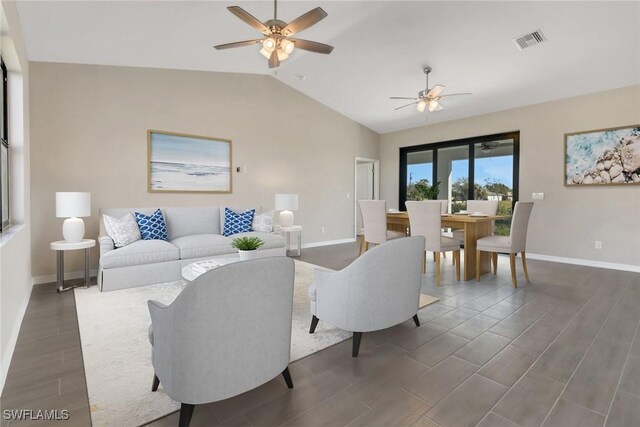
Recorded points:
(376, 186)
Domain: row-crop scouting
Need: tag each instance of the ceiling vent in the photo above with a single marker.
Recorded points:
(528, 40)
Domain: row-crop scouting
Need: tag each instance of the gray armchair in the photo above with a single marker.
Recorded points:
(378, 290)
(228, 332)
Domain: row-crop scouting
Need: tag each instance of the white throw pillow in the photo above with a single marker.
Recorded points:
(123, 230)
(263, 222)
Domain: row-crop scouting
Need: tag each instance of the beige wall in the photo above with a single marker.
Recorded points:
(569, 220)
(89, 128)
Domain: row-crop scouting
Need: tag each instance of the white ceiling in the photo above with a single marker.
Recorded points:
(380, 48)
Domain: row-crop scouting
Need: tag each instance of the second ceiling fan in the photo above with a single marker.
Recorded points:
(277, 43)
(428, 98)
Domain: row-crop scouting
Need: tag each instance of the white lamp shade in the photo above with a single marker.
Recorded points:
(73, 205)
(286, 202)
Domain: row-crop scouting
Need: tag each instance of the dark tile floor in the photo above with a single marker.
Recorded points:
(561, 351)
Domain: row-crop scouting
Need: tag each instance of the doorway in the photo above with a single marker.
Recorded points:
(367, 187)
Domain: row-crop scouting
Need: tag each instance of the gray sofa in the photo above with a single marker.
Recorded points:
(194, 233)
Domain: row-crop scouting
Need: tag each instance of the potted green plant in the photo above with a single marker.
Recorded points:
(247, 246)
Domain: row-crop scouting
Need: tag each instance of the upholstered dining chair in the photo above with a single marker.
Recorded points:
(487, 207)
(425, 220)
(515, 242)
(374, 222)
(228, 332)
(378, 290)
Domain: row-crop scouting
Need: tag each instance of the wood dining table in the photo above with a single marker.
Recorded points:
(474, 228)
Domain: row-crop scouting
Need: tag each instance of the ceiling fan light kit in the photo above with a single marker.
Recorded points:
(277, 44)
(428, 98)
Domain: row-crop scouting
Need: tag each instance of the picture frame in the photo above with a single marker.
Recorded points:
(599, 157)
(185, 163)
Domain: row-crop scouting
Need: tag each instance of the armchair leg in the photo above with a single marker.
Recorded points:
(478, 265)
(512, 260)
(360, 244)
(357, 337)
(416, 320)
(156, 383)
(314, 324)
(186, 411)
(524, 267)
(287, 377)
(424, 262)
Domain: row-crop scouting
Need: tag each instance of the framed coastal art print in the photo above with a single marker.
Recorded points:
(188, 163)
(602, 157)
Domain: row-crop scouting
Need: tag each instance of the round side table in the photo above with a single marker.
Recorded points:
(60, 247)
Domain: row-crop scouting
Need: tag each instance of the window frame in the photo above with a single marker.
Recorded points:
(470, 143)
(4, 140)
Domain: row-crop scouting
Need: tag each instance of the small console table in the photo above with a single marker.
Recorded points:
(60, 247)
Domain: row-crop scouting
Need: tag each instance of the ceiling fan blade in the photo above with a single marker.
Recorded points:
(402, 97)
(435, 91)
(274, 62)
(413, 103)
(237, 44)
(312, 46)
(303, 22)
(249, 19)
(434, 106)
(455, 94)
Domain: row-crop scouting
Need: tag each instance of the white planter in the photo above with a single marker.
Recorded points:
(247, 255)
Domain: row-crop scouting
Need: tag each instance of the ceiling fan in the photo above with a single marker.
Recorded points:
(428, 99)
(277, 43)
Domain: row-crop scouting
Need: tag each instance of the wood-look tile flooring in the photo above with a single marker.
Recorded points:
(561, 351)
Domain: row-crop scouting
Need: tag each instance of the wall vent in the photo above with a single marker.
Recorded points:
(530, 39)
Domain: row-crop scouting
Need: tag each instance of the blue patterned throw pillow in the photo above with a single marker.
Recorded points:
(152, 227)
(235, 222)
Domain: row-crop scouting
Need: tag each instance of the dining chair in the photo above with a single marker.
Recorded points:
(515, 242)
(359, 231)
(374, 222)
(425, 219)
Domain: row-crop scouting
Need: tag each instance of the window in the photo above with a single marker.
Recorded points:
(4, 152)
(481, 168)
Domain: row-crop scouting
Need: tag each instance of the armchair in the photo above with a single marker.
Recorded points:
(378, 290)
(228, 332)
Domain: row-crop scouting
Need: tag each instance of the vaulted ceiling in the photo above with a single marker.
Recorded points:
(380, 48)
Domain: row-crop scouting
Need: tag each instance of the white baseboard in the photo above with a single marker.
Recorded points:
(587, 262)
(11, 345)
(48, 278)
(328, 243)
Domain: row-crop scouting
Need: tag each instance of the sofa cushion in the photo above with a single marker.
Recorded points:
(263, 222)
(270, 240)
(237, 222)
(203, 245)
(189, 221)
(152, 227)
(140, 252)
(123, 230)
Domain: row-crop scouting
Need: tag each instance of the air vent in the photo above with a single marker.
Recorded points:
(530, 39)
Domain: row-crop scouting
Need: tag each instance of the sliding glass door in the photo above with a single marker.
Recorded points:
(482, 168)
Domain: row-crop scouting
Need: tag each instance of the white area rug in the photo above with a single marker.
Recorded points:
(117, 352)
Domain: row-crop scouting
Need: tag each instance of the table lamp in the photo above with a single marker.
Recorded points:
(73, 206)
(286, 203)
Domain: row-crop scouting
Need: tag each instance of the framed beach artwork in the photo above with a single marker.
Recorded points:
(188, 163)
(602, 157)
